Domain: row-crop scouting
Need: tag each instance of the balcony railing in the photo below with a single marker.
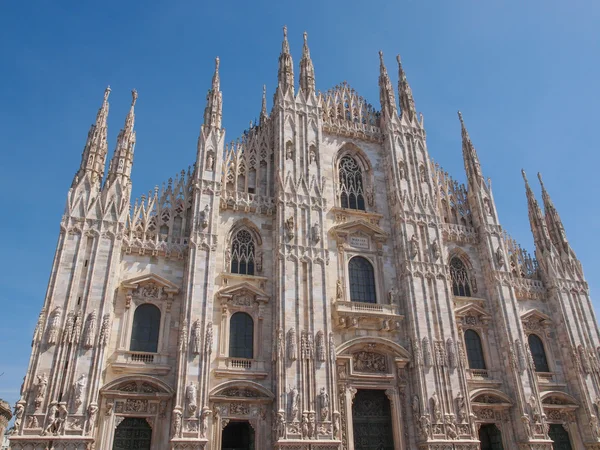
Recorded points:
(141, 361)
(249, 367)
(545, 377)
(372, 308)
(479, 374)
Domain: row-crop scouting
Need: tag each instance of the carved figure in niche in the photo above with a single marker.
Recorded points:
(295, 402)
(324, 400)
(307, 345)
(183, 335)
(289, 226)
(487, 206)
(292, 345)
(92, 411)
(289, 150)
(500, 257)
(414, 246)
(315, 232)
(51, 419)
(32, 422)
(196, 337)
(78, 389)
(435, 250)
(258, 261)
(109, 408)
(204, 421)
(435, 407)
(370, 193)
(451, 428)
(320, 346)
(90, 331)
(279, 351)
(427, 356)
(331, 348)
(176, 426)
(280, 424)
(365, 361)
(339, 291)
(312, 154)
(311, 425)
(336, 425)
(19, 410)
(53, 330)
(401, 170)
(425, 425)
(204, 215)
(451, 351)
(191, 392)
(461, 407)
(304, 425)
(105, 331)
(520, 355)
(210, 161)
(393, 296)
(208, 343)
(61, 420)
(422, 174)
(41, 387)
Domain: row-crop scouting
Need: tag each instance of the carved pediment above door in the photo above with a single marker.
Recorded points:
(150, 286)
(359, 234)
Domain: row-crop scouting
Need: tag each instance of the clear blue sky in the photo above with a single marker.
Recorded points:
(524, 73)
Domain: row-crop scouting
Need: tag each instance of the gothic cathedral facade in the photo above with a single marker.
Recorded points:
(318, 284)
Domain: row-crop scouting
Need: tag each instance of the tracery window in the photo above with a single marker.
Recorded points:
(351, 184)
(461, 285)
(538, 353)
(362, 280)
(241, 336)
(474, 350)
(146, 325)
(242, 253)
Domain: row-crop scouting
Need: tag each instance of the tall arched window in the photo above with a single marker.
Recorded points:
(538, 353)
(242, 253)
(461, 286)
(362, 280)
(352, 194)
(241, 336)
(146, 325)
(474, 350)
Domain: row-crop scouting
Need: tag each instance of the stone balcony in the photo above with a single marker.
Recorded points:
(375, 316)
(244, 367)
(140, 362)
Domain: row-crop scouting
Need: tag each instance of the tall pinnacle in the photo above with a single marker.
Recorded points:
(553, 221)
(471, 160)
(307, 70)
(122, 159)
(263, 110)
(213, 112)
(407, 102)
(536, 218)
(93, 157)
(285, 74)
(386, 92)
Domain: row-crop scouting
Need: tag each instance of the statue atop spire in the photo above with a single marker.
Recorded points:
(122, 160)
(471, 160)
(285, 75)
(93, 157)
(263, 110)
(213, 113)
(307, 70)
(386, 91)
(407, 102)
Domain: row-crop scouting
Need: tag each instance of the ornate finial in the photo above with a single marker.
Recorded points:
(106, 93)
(399, 60)
(305, 34)
(525, 178)
(541, 181)
(285, 32)
(217, 62)
(461, 119)
(134, 96)
(381, 57)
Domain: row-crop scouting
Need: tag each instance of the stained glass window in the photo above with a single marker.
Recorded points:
(362, 280)
(538, 353)
(241, 336)
(474, 350)
(242, 253)
(146, 325)
(351, 184)
(461, 287)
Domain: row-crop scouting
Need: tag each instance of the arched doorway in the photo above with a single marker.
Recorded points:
(372, 421)
(560, 437)
(133, 433)
(490, 437)
(238, 436)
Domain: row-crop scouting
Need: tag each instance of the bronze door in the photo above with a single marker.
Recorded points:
(133, 433)
(372, 421)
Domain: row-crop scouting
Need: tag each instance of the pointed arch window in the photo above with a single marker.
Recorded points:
(241, 336)
(474, 350)
(352, 194)
(242, 253)
(146, 326)
(538, 353)
(362, 280)
(461, 285)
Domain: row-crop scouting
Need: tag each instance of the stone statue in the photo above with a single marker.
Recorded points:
(451, 351)
(19, 410)
(304, 426)
(312, 155)
(393, 296)
(109, 408)
(92, 411)
(461, 407)
(105, 331)
(324, 400)
(295, 402)
(289, 226)
(208, 343)
(196, 337)
(336, 425)
(61, 421)
(176, 426)
(401, 170)
(41, 387)
(280, 424)
(54, 327)
(78, 389)
(191, 393)
(204, 215)
(339, 291)
(90, 331)
(320, 346)
(435, 406)
(258, 260)
(210, 162)
(311, 425)
(204, 421)
(289, 150)
(416, 409)
(500, 257)
(414, 246)
(51, 419)
(435, 250)
(316, 233)
(331, 348)
(292, 345)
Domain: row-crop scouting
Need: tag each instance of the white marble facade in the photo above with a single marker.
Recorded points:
(273, 207)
